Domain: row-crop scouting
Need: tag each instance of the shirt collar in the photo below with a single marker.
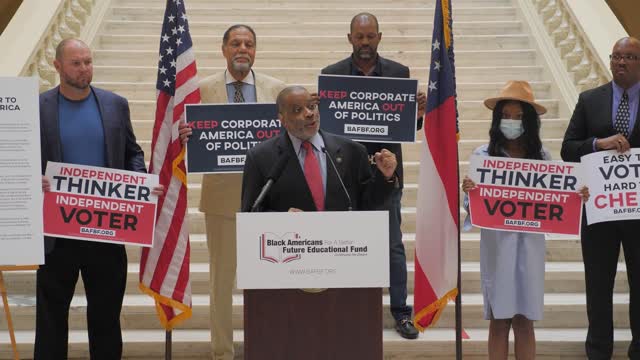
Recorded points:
(377, 69)
(632, 91)
(229, 79)
(316, 141)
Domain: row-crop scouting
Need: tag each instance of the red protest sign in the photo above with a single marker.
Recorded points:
(100, 204)
(525, 195)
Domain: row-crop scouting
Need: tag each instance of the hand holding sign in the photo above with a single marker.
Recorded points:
(386, 162)
(584, 193)
(46, 184)
(422, 103)
(616, 142)
(158, 190)
(468, 184)
(185, 132)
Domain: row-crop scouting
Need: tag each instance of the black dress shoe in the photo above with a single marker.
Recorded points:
(406, 329)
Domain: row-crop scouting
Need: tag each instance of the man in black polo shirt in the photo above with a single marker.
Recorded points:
(364, 36)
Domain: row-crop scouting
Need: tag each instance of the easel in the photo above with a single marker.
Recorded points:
(5, 301)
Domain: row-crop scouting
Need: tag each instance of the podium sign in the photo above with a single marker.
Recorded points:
(313, 250)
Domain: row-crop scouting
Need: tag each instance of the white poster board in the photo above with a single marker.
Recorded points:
(21, 241)
(614, 185)
(313, 250)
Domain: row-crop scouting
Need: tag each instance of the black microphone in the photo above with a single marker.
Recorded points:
(273, 176)
(335, 169)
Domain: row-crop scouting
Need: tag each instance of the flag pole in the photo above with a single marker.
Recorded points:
(459, 285)
(459, 297)
(167, 345)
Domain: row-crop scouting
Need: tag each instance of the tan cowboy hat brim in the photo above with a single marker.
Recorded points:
(492, 102)
(517, 90)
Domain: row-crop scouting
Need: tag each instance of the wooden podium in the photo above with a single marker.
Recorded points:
(346, 264)
(294, 324)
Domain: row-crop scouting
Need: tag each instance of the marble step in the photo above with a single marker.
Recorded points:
(324, 43)
(560, 277)
(269, 28)
(306, 75)
(436, 344)
(309, 60)
(466, 91)
(139, 313)
(304, 13)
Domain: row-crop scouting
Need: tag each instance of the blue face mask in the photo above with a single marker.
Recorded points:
(511, 129)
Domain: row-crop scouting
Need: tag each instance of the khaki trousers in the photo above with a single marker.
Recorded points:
(221, 240)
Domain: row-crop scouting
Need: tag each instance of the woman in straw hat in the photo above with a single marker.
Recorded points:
(512, 263)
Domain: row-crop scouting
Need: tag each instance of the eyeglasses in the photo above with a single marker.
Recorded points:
(627, 57)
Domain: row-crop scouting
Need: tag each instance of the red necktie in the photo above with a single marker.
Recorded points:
(313, 176)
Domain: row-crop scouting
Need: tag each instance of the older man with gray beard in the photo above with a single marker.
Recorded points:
(220, 198)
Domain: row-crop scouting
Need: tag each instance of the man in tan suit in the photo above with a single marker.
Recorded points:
(220, 196)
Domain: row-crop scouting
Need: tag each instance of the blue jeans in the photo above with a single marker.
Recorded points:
(397, 261)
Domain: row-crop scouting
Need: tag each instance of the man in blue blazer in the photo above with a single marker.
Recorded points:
(80, 124)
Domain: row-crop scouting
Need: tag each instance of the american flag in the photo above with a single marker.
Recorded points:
(436, 260)
(164, 268)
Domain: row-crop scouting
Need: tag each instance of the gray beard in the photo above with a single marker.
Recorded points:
(241, 67)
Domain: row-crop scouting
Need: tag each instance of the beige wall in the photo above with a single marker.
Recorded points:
(627, 12)
(7, 9)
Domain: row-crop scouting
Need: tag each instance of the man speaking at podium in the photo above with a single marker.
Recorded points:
(313, 170)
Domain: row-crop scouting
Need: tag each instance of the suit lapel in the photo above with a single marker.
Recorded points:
(52, 125)
(107, 130)
(334, 195)
(634, 132)
(220, 90)
(261, 92)
(607, 109)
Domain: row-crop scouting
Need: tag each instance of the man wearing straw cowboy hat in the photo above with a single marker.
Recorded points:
(605, 118)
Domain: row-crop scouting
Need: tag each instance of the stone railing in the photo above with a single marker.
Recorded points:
(583, 49)
(31, 37)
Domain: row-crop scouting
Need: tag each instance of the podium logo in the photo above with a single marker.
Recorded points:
(278, 248)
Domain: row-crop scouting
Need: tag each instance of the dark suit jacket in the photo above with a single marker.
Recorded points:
(368, 191)
(388, 68)
(121, 149)
(592, 119)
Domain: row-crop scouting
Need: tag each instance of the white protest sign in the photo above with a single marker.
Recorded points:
(614, 182)
(21, 241)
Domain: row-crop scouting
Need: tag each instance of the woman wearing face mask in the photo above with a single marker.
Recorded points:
(512, 263)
